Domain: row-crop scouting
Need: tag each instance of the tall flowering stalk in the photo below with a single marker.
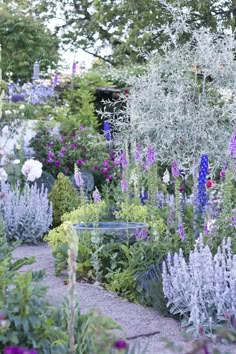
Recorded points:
(79, 182)
(96, 196)
(2, 92)
(72, 239)
(232, 145)
(202, 178)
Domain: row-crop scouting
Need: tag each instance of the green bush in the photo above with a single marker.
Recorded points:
(64, 198)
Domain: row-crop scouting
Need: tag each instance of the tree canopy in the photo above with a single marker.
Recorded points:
(123, 31)
(24, 40)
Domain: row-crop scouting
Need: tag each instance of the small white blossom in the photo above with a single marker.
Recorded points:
(32, 169)
(16, 162)
(166, 177)
(5, 130)
(3, 175)
(7, 112)
(22, 106)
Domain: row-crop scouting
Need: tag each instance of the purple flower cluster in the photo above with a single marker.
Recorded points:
(120, 344)
(232, 145)
(175, 169)
(141, 235)
(203, 171)
(151, 157)
(181, 232)
(107, 130)
(105, 169)
(18, 350)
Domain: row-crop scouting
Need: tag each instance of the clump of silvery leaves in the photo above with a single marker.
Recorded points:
(27, 213)
(184, 104)
(202, 289)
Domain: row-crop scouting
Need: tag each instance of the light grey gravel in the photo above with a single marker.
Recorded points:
(136, 320)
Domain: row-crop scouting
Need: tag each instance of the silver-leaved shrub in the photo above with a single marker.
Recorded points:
(201, 290)
(27, 213)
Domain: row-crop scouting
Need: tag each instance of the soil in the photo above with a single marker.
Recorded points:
(142, 325)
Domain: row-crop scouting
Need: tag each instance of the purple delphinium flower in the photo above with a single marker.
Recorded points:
(171, 217)
(120, 344)
(141, 235)
(124, 184)
(78, 177)
(143, 197)
(121, 160)
(151, 157)
(202, 193)
(138, 153)
(175, 169)
(55, 80)
(74, 67)
(232, 145)
(107, 130)
(96, 196)
(181, 232)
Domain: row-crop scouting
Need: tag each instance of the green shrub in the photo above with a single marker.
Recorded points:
(64, 198)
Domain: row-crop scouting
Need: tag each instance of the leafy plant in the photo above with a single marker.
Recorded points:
(201, 290)
(27, 214)
(63, 197)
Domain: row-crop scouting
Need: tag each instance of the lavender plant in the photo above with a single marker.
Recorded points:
(27, 214)
(202, 289)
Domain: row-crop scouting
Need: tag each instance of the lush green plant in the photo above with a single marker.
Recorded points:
(30, 41)
(64, 198)
(27, 319)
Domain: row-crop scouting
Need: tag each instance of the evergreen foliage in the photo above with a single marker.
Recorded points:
(64, 198)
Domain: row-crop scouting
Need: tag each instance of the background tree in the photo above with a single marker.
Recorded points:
(24, 40)
(125, 31)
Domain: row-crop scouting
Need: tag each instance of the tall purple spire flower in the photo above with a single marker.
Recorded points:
(232, 145)
(74, 67)
(181, 231)
(151, 157)
(78, 177)
(55, 80)
(96, 196)
(202, 178)
(138, 153)
(124, 184)
(175, 169)
(107, 130)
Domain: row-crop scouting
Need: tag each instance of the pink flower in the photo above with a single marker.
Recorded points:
(72, 146)
(57, 163)
(109, 178)
(81, 127)
(80, 162)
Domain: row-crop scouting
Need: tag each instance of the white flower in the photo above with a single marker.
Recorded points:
(3, 175)
(22, 106)
(166, 177)
(5, 130)
(32, 169)
(7, 112)
(16, 162)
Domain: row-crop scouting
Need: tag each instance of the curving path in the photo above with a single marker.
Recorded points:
(137, 321)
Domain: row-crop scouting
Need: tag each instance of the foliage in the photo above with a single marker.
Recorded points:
(27, 319)
(80, 100)
(137, 27)
(201, 290)
(143, 213)
(83, 146)
(27, 214)
(190, 113)
(24, 40)
(64, 198)
(45, 181)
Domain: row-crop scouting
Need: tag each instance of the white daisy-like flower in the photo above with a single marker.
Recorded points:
(32, 169)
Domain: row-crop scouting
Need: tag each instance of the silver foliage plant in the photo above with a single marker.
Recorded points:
(178, 106)
(203, 289)
(27, 214)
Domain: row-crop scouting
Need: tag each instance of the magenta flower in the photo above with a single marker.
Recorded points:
(50, 160)
(81, 127)
(50, 155)
(95, 167)
(57, 163)
(72, 146)
(222, 173)
(109, 178)
(121, 344)
(175, 169)
(80, 162)
(18, 350)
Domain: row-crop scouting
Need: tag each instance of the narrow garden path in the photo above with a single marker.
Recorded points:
(137, 321)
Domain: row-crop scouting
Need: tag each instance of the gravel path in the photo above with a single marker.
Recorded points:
(136, 320)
